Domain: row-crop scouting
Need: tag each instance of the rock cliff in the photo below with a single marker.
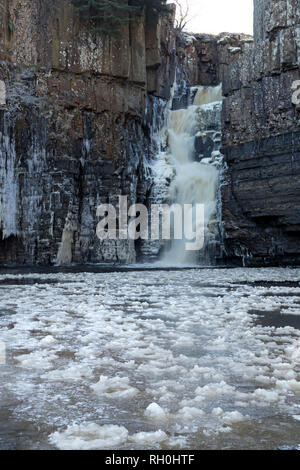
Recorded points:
(261, 141)
(80, 114)
(75, 127)
(78, 121)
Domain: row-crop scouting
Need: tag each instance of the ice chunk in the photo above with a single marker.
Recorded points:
(154, 411)
(89, 436)
(149, 438)
(115, 387)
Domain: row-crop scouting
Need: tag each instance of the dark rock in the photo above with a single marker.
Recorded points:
(261, 142)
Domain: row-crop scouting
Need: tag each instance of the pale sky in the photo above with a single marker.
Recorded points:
(217, 16)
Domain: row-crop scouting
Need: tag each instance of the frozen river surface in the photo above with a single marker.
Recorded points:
(190, 359)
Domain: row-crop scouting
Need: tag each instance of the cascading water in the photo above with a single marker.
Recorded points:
(193, 158)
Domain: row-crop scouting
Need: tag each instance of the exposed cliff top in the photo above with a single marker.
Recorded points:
(206, 56)
(221, 38)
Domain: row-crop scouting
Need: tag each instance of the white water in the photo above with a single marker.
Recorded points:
(194, 182)
(151, 359)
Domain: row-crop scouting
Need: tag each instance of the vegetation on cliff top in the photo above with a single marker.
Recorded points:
(107, 16)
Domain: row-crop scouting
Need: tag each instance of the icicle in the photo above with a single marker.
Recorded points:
(8, 183)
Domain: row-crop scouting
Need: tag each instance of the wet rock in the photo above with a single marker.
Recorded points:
(76, 130)
(261, 142)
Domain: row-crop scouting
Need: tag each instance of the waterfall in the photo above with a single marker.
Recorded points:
(191, 162)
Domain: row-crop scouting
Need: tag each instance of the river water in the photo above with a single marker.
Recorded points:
(151, 359)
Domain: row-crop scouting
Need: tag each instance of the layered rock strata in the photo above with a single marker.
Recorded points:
(76, 127)
(261, 142)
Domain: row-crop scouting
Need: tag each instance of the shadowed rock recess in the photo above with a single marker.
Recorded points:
(82, 112)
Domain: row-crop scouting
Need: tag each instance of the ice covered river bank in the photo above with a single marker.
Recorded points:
(186, 359)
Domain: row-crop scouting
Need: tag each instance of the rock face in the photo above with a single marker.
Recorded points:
(75, 123)
(80, 115)
(205, 57)
(261, 141)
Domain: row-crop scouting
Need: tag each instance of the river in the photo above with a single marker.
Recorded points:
(150, 359)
